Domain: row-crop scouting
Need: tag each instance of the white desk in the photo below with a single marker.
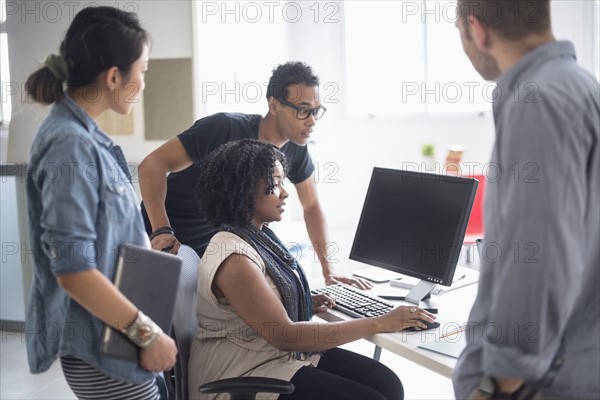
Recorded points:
(453, 310)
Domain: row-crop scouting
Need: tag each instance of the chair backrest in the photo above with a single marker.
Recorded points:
(183, 332)
(475, 225)
(184, 321)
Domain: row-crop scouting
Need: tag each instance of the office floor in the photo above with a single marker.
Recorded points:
(15, 380)
(16, 383)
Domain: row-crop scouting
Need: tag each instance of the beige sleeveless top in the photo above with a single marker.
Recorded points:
(225, 346)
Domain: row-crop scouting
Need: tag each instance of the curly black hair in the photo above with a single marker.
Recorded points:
(284, 75)
(229, 179)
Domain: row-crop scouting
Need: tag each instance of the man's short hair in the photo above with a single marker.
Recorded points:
(288, 74)
(510, 19)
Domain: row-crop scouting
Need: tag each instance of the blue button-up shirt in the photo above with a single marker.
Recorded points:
(81, 207)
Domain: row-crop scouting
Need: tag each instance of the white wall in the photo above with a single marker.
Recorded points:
(572, 20)
(346, 149)
(170, 26)
(346, 152)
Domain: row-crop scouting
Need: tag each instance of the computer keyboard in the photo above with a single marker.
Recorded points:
(355, 302)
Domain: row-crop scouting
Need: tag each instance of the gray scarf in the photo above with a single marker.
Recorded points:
(281, 267)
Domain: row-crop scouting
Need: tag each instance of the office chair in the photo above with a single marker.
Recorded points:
(183, 331)
(475, 225)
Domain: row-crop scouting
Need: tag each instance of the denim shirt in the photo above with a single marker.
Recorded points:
(81, 206)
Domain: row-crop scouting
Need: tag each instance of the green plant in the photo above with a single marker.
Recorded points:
(428, 150)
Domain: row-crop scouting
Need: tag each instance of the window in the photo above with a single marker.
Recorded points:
(406, 57)
(5, 107)
(239, 43)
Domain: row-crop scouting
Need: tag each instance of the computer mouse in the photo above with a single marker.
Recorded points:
(430, 325)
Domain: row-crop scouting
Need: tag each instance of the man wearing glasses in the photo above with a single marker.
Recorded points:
(169, 209)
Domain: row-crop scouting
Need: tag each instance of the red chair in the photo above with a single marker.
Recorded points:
(475, 226)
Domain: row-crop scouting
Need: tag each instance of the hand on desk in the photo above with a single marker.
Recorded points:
(356, 282)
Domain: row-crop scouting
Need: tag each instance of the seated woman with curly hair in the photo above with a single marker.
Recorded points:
(254, 303)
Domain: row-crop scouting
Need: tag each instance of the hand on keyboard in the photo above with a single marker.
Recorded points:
(321, 303)
(359, 304)
(354, 302)
(359, 283)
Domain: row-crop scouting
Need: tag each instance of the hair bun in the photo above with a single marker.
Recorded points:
(58, 66)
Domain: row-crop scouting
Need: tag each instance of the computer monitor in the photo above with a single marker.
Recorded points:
(414, 223)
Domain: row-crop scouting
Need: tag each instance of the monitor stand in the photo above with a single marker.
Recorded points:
(421, 291)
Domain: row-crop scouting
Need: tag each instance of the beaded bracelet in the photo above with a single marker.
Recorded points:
(162, 231)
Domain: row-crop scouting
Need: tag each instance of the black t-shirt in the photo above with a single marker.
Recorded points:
(202, 138)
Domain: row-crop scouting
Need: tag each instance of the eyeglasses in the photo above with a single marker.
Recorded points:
(305, 112)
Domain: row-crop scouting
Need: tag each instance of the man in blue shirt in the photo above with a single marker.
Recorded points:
(535, 326)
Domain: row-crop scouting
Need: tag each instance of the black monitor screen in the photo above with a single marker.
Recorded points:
(414, 223)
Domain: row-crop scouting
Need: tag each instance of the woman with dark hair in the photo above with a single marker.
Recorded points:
(254, 303)
(82, 206)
